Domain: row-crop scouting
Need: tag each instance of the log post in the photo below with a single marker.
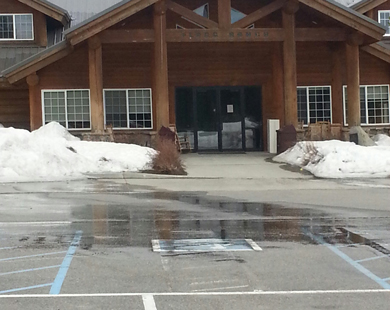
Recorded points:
(34, 101)
(353, 84)
(277, 82)
(337, 85)
(224, 14)
(160, 66)
(96, 84)
(290, 64)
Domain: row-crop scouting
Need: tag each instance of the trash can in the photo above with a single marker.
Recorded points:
(286, 137)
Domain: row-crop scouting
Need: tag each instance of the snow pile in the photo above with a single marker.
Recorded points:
(382, 140)
(338, 159)
(52, 153)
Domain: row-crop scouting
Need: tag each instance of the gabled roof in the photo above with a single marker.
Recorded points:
(379, 50)
(106, 19)
(348, 17)
(366, 5)
(122, 10)
(80, 10)
(49, 9)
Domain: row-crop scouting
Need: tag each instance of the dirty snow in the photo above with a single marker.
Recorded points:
(52, 153)
(338, 159)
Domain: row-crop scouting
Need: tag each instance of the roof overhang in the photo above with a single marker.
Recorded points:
(378, 50)
(371, 30)
(49, 9)
(37, 62)
(367, 5)
(359, 24)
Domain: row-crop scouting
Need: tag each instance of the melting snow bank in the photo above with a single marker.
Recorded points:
(52, 153)
(337, 159)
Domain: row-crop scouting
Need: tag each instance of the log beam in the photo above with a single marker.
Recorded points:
(96, 84)
(218, 35)
(259, 14)
(160, 67)
(34, 101)
(290, 69)
(353, 85)
(190, 15)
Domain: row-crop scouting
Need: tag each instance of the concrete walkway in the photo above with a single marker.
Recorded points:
(239, 166)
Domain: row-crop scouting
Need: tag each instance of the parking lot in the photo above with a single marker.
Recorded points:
(89, 245)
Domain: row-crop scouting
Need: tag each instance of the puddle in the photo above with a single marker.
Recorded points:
(173, 216)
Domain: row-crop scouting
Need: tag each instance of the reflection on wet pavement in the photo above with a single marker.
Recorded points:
(137, 224)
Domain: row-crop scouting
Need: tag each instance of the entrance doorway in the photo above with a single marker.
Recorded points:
(220, 118)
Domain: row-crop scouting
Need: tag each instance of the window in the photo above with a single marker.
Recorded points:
(16, 27)
(383, 18)
(70, 108)
(314, 104)
(128, 108)
(374, 104)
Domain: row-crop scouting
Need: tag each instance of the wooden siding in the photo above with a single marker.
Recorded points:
(384, 6)
(14, 108)
(39, 21)
(67, 73)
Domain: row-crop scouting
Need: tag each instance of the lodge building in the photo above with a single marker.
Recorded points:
(217, 69)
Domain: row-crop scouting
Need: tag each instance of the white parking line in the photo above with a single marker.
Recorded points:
(247, 293)
(148, 301)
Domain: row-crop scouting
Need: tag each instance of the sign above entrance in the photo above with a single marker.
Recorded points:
(217, 35)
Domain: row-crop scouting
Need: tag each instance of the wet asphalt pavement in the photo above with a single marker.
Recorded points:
(89, 245)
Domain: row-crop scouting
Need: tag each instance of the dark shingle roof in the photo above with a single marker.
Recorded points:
(12, 55)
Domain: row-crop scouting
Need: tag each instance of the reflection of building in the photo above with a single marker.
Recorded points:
(204, 65)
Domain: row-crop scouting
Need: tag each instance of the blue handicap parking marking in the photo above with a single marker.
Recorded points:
(204, 245)
(63, 268)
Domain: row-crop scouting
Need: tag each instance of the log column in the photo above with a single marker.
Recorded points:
(224, 13)
(160, 66)
(353, 84)
(34, 101)
(290, 63)
(337, 84)
(277, 82)
(96, 84)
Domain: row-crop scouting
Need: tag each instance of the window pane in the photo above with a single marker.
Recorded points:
(116, 113)
(378, 104)
(53, 108)
(140, 108)
(24, 27)
(78, 109)
(384, 20)
(302, 105)
(318, 102)
(6, 27)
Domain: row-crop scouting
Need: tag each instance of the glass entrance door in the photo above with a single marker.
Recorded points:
(231, 118)
(220, 118)
(207, 119)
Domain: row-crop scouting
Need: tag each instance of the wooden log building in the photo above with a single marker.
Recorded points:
(217, 69)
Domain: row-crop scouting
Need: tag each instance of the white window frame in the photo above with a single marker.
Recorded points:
(367, 124)
(14, 26)
(66, 106)
(379, 21)
(127, 107)
(308, 104)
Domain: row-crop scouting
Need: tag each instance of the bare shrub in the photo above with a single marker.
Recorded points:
(167, 160)
(311, 153)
